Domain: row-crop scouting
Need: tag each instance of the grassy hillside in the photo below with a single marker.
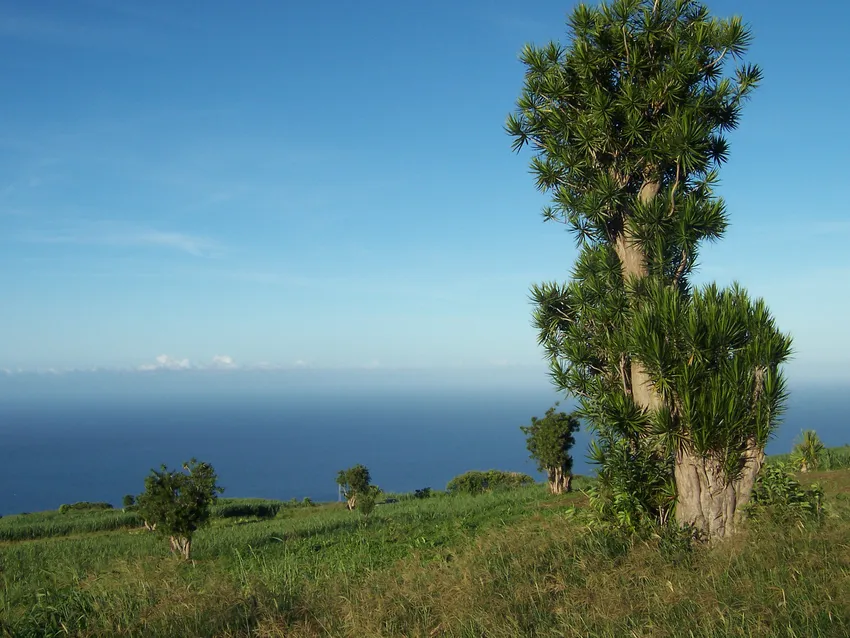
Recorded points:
(498, 565)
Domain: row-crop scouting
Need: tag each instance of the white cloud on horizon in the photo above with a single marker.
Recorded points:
(223, 361)
(165, 362)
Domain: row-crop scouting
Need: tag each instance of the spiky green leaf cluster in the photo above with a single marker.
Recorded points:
(638, 97)
(808, 451)
(713, 358)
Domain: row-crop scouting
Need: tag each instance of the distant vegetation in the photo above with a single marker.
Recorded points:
(835, 458)
(476, 482)
(56, 523)
(248, 507)
(83, 506)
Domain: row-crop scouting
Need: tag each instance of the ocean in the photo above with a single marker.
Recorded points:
(66, 443)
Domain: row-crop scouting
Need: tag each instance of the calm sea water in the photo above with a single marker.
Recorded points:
(65, 447)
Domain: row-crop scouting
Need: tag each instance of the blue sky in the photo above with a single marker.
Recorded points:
(328, 184)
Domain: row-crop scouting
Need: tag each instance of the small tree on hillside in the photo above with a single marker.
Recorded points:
(807, 453)
(128, 502)
(177, 503)
(550, 440)
(354, 481)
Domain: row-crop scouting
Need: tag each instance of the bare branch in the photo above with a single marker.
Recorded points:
(681, 269)
(717, 61)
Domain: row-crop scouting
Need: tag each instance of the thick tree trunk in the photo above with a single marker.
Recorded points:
(707, 499)
(633, 265)
(560, 482)
(181, 545)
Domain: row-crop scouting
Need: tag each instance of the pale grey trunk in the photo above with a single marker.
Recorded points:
(351, 502)
(633, 266)
(181, 545)
(560, 482)
(707, 499)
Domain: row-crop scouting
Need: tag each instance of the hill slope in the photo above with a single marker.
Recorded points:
(498, 565)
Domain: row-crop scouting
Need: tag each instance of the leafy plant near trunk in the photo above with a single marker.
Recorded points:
(549, 441)
(779, 496)
(177, 503)
(627, 125)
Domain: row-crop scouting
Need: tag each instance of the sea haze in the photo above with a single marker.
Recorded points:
(284, 435)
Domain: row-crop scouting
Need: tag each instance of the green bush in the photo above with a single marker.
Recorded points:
(84, 505)
(778, 495)
(476, 482)
(425, 492)
(247, 507)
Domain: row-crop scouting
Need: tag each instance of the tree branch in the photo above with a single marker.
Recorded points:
(673, 190)
(717, 61)
(681, 269)
(626, 386)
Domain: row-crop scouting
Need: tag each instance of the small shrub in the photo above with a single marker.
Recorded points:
(307, 502)
(778, 495)
(240, 509)
(475, 482)
(634, 490)
(366, 503)
(83, 506)
(425, 492)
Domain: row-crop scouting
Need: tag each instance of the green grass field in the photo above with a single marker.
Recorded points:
(503, 564)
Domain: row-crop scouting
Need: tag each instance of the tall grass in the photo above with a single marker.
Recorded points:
(55, 523)
(501, 564)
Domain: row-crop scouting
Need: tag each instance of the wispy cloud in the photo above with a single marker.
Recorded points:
(223, 361)
(165, 362)
(105, 236)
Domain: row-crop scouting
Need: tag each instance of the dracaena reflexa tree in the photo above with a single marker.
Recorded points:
(549, 441)
(355, 482)
(627, 127)
(177, 503)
